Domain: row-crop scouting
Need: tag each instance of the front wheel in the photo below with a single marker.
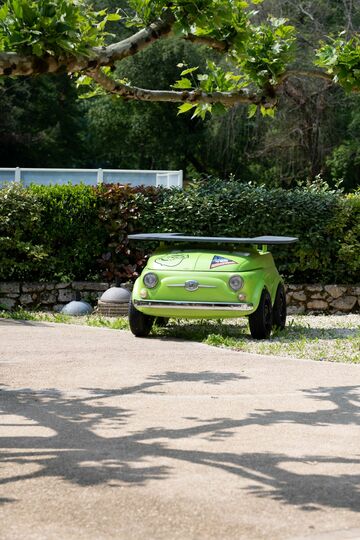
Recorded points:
(140, 324)
(260, 321)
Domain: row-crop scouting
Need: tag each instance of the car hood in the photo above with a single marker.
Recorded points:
(203, 261)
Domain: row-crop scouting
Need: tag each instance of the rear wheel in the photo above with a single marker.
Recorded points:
(140, 324)
(279, 309)
(260, 321)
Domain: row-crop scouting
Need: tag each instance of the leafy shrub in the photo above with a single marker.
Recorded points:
(49, 232)
(80, 232)
(124, 210)
(344, 163)
(20, 217)
(326, 222)
(71, 231)
(318, 218)
(349, 252)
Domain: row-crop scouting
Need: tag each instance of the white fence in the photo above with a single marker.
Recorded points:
(91, 177)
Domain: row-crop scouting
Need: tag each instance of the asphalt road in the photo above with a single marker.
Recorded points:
(103, 435)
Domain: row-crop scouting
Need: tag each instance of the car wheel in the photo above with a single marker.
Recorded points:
(260, 321)
(140, 324)
(279, 309)
(161, 321)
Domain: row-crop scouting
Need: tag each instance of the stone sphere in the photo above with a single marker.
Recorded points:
(116, 295)
(77, 308)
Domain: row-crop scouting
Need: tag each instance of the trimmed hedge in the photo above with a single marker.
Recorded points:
(50, 233)
(326, 222)
(80, 232)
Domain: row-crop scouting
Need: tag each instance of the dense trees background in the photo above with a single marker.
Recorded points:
(316, 130)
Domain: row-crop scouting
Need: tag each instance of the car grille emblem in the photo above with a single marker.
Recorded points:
(191, 285)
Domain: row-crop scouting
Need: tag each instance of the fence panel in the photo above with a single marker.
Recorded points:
(91, 177)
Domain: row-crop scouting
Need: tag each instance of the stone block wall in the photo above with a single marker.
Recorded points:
(323, 298)
(48, 296)
(53, 296)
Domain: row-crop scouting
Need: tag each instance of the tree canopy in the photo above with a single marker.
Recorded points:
(284, 76)
(256, 56)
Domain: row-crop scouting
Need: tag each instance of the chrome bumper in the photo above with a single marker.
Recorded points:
(211, 306)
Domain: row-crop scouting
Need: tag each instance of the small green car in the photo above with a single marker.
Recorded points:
(212, 277)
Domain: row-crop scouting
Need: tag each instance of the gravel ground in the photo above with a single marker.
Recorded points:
(333, 338)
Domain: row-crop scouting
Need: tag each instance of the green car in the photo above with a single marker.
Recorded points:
(209, 277)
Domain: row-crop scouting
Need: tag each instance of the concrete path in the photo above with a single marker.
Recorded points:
(103, 435)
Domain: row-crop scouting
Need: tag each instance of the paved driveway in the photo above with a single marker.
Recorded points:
(103, 435)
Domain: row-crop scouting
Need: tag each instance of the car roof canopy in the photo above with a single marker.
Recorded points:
(179, 237)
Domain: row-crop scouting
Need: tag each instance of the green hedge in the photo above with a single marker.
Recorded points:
(80, 232)
(326, 222)
(50, 233)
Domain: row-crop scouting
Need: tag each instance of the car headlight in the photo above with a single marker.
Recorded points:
(236, 283)
(150, 280)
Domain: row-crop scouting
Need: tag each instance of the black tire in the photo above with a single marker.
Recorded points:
(260, 321)
(161, 321)
(279, 308)
(140, 324)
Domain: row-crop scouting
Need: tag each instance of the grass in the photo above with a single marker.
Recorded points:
(322, 337)
(120, 323)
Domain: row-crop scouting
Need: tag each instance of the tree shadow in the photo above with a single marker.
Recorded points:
(294, 332)
(207, 377)
(199, 330)
(76, 452)
(21, 322)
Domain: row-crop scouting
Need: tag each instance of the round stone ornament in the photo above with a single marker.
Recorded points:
(116, 295)
(77, 308)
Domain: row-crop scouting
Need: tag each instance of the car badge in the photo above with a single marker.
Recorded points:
(191, 285)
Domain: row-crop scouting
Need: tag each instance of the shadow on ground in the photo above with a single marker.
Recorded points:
(78, 454)
(17, 322)
(200, 330)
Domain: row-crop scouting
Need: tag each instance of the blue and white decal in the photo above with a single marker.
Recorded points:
(220, 261)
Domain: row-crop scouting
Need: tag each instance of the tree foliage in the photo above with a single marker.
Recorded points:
(41, 122)
(51, 27)
(69, 35)
(234, 57)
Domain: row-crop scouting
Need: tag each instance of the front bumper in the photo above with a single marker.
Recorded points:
(193, 306)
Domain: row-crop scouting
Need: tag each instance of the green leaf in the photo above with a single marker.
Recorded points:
(188, 70)
(185, 107)
(183, 83)
(16, 5)
(252, 110)
(113, 17)
(4, 10)
(84, 80)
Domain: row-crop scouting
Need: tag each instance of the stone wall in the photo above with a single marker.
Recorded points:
(53, 296)
(323, 298)
(48, 296)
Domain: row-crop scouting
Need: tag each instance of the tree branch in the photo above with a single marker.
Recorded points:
(314, 73)
(185, 96)
(15, 64)
(213, 43)
(136, 43)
